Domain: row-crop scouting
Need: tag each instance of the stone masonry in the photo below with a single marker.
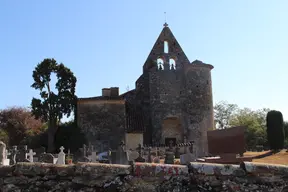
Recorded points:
(172, 99)
(144, 177)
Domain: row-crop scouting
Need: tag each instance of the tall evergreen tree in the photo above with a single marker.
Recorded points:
(275, 129)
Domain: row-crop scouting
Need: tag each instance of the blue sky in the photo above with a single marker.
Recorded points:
(105, 43)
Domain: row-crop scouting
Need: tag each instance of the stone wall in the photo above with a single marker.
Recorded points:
(198, 104)
(143, 177)
(102, 122)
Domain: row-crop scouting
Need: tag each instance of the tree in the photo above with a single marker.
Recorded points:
(18, 123)
(275, 130)
(254, 121)
(70, 136)
(223, 112)
(52, 106)
(286, 133)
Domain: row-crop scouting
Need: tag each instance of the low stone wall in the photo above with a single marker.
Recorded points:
(143, 177)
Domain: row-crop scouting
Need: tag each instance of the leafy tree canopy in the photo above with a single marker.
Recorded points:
(18, 123)
(223, 112)
(53, 105)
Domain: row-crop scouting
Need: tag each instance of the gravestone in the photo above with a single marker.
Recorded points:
(169, 155)
(38, 152)
(120, 156)
(226, 141)
(132, 155)
(227, 144)
(13, 155)
(31, 155)
(22, 154)
(139, 158)
(149, 158)
(177, 152)
(93, 157)
(46, 158)
(188, 157)
(2, 152)
(83, 157)
(61, 157)
(6, 159)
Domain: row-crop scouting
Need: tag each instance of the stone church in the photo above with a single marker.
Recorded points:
(172, 102)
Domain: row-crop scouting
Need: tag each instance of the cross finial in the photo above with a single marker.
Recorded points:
(165, 24)
(62, 149)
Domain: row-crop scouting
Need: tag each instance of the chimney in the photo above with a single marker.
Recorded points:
(106, 92)
(114, 91)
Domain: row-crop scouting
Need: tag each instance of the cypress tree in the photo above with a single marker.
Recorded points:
(275, 130)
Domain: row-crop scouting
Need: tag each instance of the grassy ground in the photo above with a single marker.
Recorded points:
(252, 153)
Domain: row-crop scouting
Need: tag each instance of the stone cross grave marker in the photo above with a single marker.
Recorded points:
(140, 158)
(83, 157)
(39, 151)
(22, 154)
(120, 155)
(149, 159)
(177, 152)
(169, 155)
(61, 157)
(14, 152)
(31, 155)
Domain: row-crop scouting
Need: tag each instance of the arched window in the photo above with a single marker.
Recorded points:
(160, 63)
(172, 63)
(166, 47)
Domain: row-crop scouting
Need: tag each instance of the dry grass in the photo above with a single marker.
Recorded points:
(278, 158)
(252, 153)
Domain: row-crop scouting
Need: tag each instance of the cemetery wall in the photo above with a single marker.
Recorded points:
(143, 177)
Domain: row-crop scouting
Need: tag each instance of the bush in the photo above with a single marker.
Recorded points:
(69, 136)
(4, 137)
(275, 130)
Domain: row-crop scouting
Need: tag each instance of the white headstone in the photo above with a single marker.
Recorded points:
(93, 157)
(61, 157)
(30, 155)
(6, 161)
(132, 155)
(2, 152)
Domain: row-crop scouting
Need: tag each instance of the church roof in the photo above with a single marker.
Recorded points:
(101, 98)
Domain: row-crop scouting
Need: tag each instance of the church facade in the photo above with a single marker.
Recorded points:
(172, 102)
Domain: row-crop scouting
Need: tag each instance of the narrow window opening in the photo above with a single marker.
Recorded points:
(172, 64)
(166, 47)
(160, 64)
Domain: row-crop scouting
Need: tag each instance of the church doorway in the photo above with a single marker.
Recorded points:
(171, 131)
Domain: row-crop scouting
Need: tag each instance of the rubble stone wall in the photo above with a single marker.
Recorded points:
(102, 122)
(143, 177)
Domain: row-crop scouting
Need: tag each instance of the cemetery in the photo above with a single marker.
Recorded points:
(159, 137)
(146, 168)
